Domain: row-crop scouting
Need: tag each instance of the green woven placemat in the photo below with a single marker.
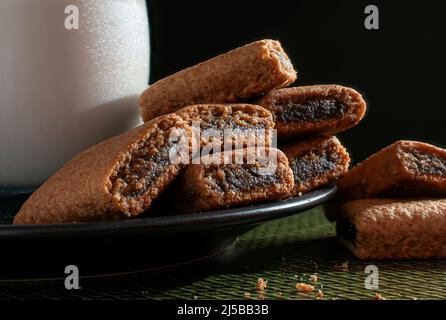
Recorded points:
(283, 252)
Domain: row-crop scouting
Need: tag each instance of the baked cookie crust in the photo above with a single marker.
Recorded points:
(211, 185)
(116, 179)
(403, 169)
(316, 162)
(394, 228)
(246, 123)
(319, 109)
(235, 76)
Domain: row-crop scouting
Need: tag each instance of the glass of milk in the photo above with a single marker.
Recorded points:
(71, 73)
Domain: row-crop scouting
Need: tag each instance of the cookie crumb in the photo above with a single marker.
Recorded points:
(378, 296)
(247, 295)
(261, 284)
(313, 278)
(261, 297)
(303, 287)
(319, 295)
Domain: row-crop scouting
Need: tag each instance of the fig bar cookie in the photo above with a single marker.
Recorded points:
(394, 229)
(235, 76)
(320, 109)
(403, 169)
(316, 162)
(260, 174)
(115, 179)
(235, 125)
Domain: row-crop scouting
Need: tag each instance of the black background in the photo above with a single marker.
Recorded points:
(399, 68)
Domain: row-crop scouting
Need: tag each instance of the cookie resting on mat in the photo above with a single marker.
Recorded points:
(244, 123)
(115, 179)
(319, 109)
(215, 184)
(316, 162)
(235, 76)
(403, 169)
(394, 228)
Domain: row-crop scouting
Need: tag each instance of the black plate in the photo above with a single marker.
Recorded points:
(152, 243)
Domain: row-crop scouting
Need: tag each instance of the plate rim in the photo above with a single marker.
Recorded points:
(209, 220)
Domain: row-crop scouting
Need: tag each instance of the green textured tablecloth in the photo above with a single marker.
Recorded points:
(283, 252)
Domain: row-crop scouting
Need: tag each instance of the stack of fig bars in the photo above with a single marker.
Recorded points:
(216, 109)
(392, 205)
(246, 89)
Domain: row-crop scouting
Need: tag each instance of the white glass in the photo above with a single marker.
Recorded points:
(62, 90)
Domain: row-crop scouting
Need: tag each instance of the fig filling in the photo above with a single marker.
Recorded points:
(312, 164)
(346, 230)
(426, 163)
(314, 109)
(239, 178)
(141, 171)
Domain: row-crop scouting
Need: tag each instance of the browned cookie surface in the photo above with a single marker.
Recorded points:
(115, 179)
(394, 228)
(319, 109)
(235, 76)
(403, 169)
(315, 162)
(230, 126)
(221, 182)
